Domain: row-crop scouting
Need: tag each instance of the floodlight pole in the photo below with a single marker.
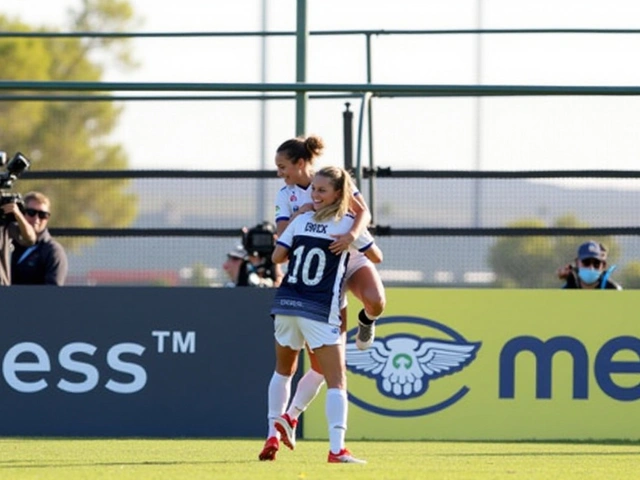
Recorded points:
(302, 34)
(477, 190)
(261, 206)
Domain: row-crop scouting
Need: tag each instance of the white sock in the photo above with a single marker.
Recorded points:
(306, 390)
(336, 411)
(279, 392)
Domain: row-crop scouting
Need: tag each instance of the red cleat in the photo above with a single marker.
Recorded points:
(343, 456)
(271, 447)
(287, 428)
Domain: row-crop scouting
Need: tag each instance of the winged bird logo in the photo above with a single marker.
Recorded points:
(403, 365)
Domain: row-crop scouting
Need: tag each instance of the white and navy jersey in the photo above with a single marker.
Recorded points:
(314, 280)
(291, 197)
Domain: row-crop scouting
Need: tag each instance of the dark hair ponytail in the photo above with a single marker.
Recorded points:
(303, 148)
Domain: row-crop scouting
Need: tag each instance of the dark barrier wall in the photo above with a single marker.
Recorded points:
(82, 361)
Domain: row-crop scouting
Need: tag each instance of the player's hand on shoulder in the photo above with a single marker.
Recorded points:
(341, 242)
(307, 207)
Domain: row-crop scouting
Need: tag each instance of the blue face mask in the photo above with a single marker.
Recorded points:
(589, 275)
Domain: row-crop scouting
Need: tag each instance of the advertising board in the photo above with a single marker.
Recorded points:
(494, 364)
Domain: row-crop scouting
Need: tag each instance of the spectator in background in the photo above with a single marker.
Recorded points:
(45, 261)
(13, 227)
(233, 264)
(240, 268)
(590, 269)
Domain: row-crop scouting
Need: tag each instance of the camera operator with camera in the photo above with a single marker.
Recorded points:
(259, 242)
(14, 227)
(45, 262)
(249, 264)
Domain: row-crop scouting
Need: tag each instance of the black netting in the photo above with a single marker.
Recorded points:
(434, 231)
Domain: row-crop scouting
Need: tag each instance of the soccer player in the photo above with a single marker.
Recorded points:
(294, 162)
(306, 307)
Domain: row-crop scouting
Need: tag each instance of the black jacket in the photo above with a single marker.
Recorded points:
(45, 263)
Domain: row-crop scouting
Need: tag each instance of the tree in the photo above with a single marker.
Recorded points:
(630, 276)
(70, 135)
(531, 262)
(522, 261)
(200, 276)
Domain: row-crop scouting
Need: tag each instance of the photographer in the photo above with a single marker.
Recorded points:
(42, 263)
(259, 242)
(590, 271)
(249, 264)
(233, 264)
(14, 227)
(243, 270)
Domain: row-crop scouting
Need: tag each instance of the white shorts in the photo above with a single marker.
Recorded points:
(357, 260)
(293, 331)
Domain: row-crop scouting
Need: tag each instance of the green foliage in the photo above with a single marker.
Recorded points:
(531, 262)
(630, 276)
(70, 135)
(199, 277)
(106, 16)
(522, 261)
(22, 58)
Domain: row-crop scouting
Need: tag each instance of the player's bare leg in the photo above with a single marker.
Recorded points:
(366, 286)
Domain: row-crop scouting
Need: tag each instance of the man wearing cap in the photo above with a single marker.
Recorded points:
(241, 271)
(232, 265)
(590, 270)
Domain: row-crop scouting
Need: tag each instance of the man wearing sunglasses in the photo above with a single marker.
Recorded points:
(590, 270)
(45, 262)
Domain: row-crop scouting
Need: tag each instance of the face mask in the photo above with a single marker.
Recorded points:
(588, 275)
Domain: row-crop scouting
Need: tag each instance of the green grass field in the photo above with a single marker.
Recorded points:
(70, 459)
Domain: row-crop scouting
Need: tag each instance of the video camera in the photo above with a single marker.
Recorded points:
(260, 242)
(13, 170)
